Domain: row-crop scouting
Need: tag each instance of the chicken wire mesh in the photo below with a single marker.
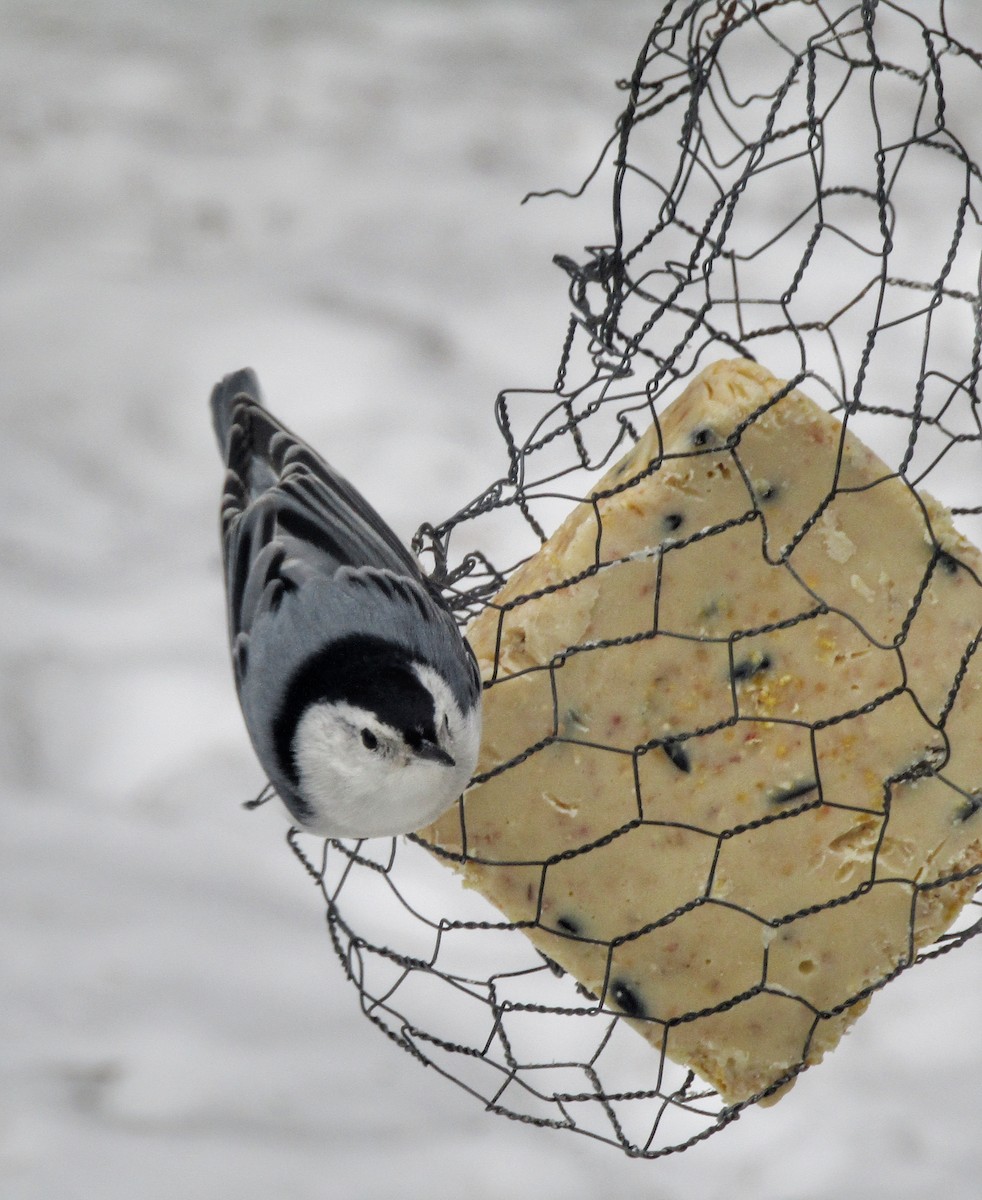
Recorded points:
(793, 182)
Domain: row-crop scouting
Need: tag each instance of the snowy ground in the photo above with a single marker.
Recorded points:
(328, 192)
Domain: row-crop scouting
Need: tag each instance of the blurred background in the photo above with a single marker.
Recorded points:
(330, 193)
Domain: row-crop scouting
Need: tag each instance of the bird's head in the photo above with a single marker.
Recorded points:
(384, 747)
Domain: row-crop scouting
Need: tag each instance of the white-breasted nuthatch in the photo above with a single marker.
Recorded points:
(360, 695)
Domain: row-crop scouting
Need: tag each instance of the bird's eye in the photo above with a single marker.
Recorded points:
(369, 740)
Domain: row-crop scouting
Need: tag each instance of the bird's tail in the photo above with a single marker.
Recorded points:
(240, 385)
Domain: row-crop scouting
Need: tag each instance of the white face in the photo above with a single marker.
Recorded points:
(362, 779)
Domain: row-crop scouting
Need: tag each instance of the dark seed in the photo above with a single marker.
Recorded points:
(767, 492)
(574, 722)
(627, 999)
(747, 668)
(568, 924)
(672, 521)
(924, 767)
(678, 756)
(703, 437)
(948, 563)
(971, 806)
(795, 792)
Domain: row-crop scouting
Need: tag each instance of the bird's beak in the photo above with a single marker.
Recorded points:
(431, 752)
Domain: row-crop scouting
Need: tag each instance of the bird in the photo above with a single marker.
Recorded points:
(361, 697)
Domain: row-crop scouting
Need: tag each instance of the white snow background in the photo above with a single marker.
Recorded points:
(328, 192)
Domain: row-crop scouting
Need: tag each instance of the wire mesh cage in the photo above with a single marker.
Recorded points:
(794, 183)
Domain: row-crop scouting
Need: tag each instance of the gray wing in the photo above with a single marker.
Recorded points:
(287, 516)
